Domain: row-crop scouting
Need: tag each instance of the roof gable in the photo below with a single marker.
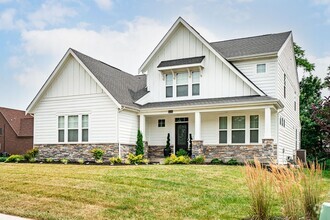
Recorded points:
(21, 124)
(172, 30)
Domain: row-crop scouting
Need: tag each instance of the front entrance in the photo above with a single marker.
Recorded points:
(181, 136)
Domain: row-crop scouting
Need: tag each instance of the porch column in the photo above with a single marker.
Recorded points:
(268, 123)
(198, 123)
(143, 126)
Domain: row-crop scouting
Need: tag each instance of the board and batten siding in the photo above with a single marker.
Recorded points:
(72, 92)
(217, 79)
(288, 140)
(128, 127)
(265, 81)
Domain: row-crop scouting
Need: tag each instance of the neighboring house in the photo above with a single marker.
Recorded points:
(237, 98)
(16, 131)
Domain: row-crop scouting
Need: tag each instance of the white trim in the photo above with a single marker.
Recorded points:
(200, 38)
(181, 66)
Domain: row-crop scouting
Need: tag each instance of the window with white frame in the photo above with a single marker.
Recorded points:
(161, 123)
(223, 130)
(73, 128)
(284, 86)
(254, 128)
(61, 128)
(238, 129)
(169, 85)
(195, 83)
(84, 128)
(261, 68)
(181, 84)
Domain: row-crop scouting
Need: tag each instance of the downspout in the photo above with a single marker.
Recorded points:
(278, 128)
(118, 136)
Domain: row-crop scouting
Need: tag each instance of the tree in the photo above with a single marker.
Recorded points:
(301, 60)
(139, 144)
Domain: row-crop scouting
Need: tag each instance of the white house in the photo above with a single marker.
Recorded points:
(229, 99)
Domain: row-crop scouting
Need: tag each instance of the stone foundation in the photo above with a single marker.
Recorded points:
(197, 148)
(126, 149)
(74, 152)
(156, 153)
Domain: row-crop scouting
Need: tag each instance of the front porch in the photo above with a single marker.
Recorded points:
(241, 133)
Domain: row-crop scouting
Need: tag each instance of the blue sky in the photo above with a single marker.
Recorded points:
(34, 35)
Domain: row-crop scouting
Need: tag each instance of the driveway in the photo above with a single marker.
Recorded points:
(10, 217)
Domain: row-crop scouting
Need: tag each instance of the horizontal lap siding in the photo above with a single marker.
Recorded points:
(128, 126)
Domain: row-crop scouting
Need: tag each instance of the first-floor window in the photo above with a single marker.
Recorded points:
(161, 123)
(254, 129)
(84, 130)
(223, 130)
(238, 129)
(73, 128)
(60, 128)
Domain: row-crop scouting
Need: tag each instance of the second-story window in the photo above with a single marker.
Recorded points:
(169, 85)
(195, 83)
(261, 68)
(182, 84)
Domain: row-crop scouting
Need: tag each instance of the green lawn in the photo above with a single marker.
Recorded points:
(44, 191)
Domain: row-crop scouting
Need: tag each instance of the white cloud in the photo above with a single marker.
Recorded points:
(104, 4)
(4, 1)
(7, 19)
(50, 12)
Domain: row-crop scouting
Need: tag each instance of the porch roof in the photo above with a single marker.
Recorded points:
(214, 101)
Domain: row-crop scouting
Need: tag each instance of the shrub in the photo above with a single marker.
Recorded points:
(198, 160)
(33, 152)
(64, 161)
(132, 159)
(33, 160)
(259, 182)
(3, 159)
(181, 152)
(115, 160)
(100, 161)
(14, 159)
(139, 144)
(216, 161)
(49, 160)
(173, 159)
(81, 161)
(97, 153)
(232, 162)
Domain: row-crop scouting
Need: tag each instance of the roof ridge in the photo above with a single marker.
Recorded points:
(241, 38)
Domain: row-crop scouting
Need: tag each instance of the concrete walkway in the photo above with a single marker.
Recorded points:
(10, 217)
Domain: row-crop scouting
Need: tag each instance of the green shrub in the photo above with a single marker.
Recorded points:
(97, 153)
(33, 160)
(132, 159)
(216, 161)
(198, 160)
(181, 152)
(14, 159)
(139, 144)
(232, 162)
(100, 161)
(81, 161)
(3, 159)
(115, 160)
(49, 160)
(173, 159)
(64, 161)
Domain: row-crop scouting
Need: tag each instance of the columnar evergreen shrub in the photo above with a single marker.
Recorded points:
(139, 144)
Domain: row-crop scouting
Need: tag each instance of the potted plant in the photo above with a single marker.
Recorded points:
(167, 149)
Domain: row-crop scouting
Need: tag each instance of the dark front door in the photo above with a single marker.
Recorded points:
(181, 136)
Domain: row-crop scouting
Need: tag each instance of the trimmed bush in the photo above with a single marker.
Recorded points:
(14, 159)
(139, 144)
(115, 160)
(49, 160)
(198, 160)
(64, 161)
(216, 161)
(97, 153)
(100, 161)
(232, 162)
(181, 152)
(173, 159)
(81, 161)
(132, 159)
(3, 159)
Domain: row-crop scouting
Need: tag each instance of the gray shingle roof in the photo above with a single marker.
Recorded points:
(249, 46)
(210, 101)
(124, 87)
(184, 61)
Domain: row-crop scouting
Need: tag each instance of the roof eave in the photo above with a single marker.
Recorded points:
(254, 56)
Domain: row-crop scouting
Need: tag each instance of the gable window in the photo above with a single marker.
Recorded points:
(84, 128)
(181, 84)
(161, 123)
(284, 86)
(60, 128)
(169, 85)
(238, 129)
(73, 128)
(261, 68)
(254, 129)
(223, 130)
(195, 83)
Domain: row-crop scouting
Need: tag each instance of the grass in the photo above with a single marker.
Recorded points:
(57, 191)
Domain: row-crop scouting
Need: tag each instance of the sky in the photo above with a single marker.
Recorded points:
(34, 35)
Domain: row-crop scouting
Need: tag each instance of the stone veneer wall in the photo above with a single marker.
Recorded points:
(74, 152)
(126, 149)
(156, 153)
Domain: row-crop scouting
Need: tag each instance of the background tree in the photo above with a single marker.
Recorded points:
(301, 60)
(139, 144)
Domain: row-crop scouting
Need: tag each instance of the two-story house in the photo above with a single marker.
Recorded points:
(229, 99)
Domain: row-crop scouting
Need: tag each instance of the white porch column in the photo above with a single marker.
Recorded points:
(198, 123)
(143, 126)
(268, 123)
